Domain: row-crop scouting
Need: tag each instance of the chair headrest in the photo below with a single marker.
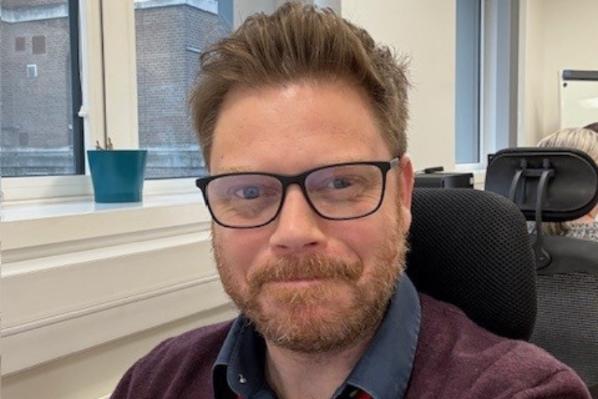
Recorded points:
(471, 248)
(571, 187)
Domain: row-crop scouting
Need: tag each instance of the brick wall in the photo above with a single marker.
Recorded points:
(1, 73)
(35, 96)
(167, 62)
(36, 110)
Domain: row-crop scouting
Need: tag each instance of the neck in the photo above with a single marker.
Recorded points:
(294, 375)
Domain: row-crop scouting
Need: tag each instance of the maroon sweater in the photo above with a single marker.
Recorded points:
(454, 359)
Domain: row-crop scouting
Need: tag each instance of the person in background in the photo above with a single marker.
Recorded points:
(586, 140)
(302, 121)
(592, 126)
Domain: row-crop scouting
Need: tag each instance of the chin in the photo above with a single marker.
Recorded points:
(304, 303)
(308, 293)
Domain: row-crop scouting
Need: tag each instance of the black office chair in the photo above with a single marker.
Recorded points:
(557, 185)
(471, 248)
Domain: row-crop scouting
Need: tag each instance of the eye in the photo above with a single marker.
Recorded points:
(248, 192)
(340, 182)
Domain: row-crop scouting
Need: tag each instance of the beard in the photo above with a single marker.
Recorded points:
(333, 307)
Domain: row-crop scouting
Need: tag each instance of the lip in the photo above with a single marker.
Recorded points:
(303, 282)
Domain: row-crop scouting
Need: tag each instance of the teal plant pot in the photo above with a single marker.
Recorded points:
(117, 175)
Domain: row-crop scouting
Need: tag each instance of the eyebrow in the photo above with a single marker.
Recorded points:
(240, 169)
(236, 169)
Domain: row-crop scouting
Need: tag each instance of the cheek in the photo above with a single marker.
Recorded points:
(371, 237)
(364, 236)
(237, 250)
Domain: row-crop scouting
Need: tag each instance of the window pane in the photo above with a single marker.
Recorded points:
(467, 99)
(36, 117)
(170, 36)
(38, 44)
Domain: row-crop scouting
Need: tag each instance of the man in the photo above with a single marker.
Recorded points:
(302, 121)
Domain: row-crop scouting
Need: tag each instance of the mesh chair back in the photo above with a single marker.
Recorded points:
(471, 248)
(567, 321)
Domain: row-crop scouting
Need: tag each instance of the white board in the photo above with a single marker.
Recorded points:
(578, 98)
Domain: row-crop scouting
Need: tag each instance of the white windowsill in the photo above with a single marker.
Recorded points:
(29, 210)
(65, 189)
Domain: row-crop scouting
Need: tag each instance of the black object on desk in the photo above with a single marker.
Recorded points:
(436, 178)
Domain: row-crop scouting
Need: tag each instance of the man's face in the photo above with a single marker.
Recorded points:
(333, 278)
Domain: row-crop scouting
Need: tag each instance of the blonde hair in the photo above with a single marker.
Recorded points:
(582, 139)
(296, 43)
(592, 126)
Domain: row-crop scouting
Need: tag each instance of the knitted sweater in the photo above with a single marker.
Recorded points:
(454, 358)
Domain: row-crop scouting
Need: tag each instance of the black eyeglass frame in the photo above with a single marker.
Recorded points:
(299, 179)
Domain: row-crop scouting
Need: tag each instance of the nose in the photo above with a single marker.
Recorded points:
(297, 227)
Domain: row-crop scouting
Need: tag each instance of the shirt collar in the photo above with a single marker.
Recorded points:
(383, 371)
(385, 368)
(240, 363)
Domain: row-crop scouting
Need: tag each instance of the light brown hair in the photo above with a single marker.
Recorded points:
(582, 139)
(301, 42)
(592, 126)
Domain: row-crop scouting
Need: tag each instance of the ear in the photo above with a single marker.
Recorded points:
(405, 180)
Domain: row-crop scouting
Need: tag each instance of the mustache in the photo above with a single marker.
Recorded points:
(309, 267)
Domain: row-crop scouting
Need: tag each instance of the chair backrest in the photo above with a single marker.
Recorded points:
(471, 248)
(567, 320)
(567, 275)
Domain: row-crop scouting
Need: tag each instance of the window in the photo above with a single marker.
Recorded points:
(467, 101)
(169, 37)
(31, 71)
(486, 78)
(38, 120)
(19, 44)
(138, 61)
(38, 43)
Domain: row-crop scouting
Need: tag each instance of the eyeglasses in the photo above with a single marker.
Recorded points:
(337, 192)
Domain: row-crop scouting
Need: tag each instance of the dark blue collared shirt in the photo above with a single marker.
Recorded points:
(382, 372)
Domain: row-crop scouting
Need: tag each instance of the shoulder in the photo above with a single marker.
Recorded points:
(584, 231)
(456, 355)
(175, 365)
(200, 342)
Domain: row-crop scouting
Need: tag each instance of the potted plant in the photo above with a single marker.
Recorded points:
(117, 175)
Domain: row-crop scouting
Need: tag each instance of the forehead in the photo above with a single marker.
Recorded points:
(297, 126)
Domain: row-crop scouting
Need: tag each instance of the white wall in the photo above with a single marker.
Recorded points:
(560, 34)
(92, 374)
(424, 31)
(531, 104)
